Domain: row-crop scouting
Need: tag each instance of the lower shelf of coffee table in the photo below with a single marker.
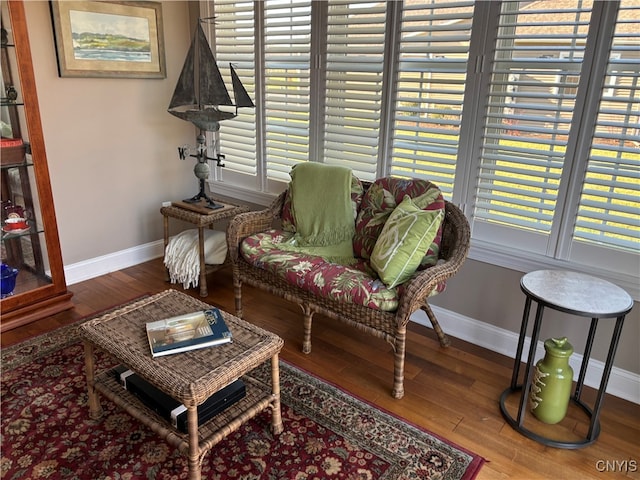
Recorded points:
(258, 397)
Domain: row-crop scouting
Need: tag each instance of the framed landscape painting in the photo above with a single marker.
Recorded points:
(109, 39)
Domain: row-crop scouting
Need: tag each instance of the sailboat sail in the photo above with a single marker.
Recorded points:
(240, 94)
(212, 88)
(201, 89)
(185, 94)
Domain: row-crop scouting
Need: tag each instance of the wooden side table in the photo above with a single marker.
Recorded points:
(201, 218)
(576, 294)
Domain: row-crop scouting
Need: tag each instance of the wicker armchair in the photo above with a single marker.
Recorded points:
(391, 326)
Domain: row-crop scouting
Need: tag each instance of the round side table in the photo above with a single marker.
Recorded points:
(576, 294)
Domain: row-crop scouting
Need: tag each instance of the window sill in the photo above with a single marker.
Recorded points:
(526, 262)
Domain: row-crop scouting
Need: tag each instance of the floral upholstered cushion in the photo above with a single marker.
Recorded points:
(382, 197)
(356, 283)
(288, 221)
(405, 237)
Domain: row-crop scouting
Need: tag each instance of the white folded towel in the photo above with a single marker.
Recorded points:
(181, 256)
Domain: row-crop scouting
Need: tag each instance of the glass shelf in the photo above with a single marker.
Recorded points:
(26, 163)
(8, 234)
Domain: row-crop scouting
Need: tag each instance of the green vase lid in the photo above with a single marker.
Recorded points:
(558, 347)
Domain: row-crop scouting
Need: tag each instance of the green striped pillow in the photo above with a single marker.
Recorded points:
(405, 237)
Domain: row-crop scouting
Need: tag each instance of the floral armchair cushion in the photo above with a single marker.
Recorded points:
(381, 199)
(288, 221)
(356, 283)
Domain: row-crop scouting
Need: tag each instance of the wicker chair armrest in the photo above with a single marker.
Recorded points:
(418, 288)
(250, 223)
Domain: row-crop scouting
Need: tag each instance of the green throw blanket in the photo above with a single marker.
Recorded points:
(321, 205)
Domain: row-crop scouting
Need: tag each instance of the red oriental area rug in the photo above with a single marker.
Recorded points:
(329, 434)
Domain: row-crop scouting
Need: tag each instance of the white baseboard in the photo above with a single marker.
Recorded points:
(94, 267)
(622, 383)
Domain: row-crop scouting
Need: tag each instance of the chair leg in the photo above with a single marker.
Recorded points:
(308, 318)
(442, 337)
(398, 363)
(237, 291)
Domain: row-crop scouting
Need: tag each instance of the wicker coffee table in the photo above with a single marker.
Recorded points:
(189, 377)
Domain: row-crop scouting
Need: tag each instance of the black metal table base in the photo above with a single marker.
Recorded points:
(544, 440)
(593, 413)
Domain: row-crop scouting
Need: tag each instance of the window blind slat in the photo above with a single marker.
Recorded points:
(287, 57)
(609, 208)
(432, 65)
(235, 44)
(355, 56)
(534, 77)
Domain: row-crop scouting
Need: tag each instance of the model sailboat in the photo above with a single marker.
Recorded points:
(201, 90)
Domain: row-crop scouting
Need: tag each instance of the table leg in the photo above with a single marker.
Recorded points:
(594, 427)
(523, 334)
(167, 278)
(276, 415)
(194, 444)
(528, 372)
(203, 271)
(585, 359)
(95, 410)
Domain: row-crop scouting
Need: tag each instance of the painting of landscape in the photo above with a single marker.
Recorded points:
(100, 36)
(109, 39)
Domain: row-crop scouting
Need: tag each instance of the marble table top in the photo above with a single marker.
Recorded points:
(576, 293)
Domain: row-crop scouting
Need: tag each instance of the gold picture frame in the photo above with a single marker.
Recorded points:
(109, 39)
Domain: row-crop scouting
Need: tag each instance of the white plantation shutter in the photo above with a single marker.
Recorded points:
(534, 78)
(526, 113)
(355, 55)
(234, 43)
(609, 208)
(287, 67)
(559, 168)
(432, 65)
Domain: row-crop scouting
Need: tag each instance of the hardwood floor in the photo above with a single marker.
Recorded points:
(451, 392)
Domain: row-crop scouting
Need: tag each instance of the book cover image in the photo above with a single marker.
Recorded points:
(187, 332)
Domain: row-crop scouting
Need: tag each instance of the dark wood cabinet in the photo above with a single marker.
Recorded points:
(40, 289)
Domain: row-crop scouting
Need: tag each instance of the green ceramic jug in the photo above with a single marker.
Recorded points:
(551, 383)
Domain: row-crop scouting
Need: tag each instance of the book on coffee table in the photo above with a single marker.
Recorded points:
(195, 330)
